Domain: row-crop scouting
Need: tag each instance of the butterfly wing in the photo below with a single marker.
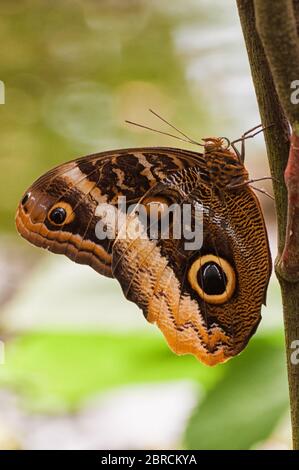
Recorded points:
(206, 299)
(75, 190)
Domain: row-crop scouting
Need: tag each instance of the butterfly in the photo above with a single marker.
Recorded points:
(206, 299)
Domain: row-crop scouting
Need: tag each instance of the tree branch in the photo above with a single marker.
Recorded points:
(277, 28)
(271, 111)
(277, 142)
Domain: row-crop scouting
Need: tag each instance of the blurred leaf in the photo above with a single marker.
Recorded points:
(59, 370)
(247, 403)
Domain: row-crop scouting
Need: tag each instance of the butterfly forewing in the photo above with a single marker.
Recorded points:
(85, 184)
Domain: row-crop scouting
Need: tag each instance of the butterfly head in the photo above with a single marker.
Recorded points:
(212, 144)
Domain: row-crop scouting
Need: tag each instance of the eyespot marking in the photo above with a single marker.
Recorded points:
(156, 206)
(61, 214)
(25, 199)
(213, 278)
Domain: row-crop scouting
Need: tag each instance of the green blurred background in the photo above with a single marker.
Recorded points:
(82, 368)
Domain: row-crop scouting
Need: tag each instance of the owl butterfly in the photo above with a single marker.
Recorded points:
(206, 300)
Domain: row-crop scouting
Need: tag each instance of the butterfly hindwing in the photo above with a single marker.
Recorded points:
(162, 276)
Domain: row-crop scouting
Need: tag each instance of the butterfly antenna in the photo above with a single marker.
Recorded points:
(162, 132)
(192, 141)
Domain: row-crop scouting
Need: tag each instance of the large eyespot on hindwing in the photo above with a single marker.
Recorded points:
(213, 278)
(61, 214)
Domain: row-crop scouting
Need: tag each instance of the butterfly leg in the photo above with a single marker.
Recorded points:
(247, 135)
(240, 155)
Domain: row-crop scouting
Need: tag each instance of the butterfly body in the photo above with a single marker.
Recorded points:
(206, 300)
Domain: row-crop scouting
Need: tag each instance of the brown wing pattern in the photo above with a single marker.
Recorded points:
(85, 183)
(154, 273)
(206, 300)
